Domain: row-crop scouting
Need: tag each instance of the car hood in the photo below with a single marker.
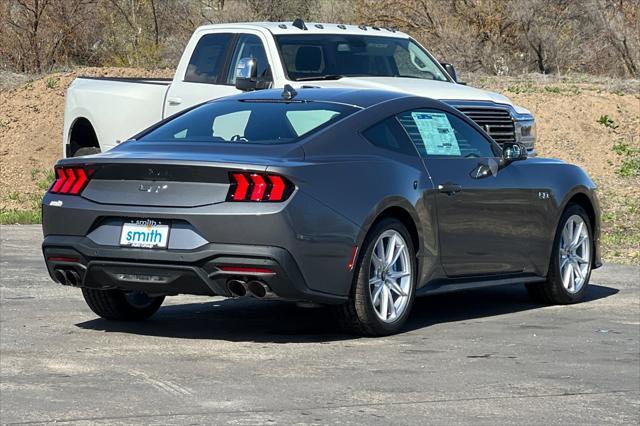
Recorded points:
(440, 90)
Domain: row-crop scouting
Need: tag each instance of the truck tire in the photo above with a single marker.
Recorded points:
(90, 150)
(383, 289)
(120, 306)
(570, 264)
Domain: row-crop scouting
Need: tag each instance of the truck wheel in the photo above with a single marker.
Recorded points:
(385, 277)
(121, 306)
(90, 150)
(571, 261)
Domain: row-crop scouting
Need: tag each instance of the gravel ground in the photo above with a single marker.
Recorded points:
(485, 357)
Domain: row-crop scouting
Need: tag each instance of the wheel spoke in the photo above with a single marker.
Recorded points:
(377, 262)
(577, 233)
(578, 243)
(566, 274)
(395, 287)
(582, 261)
(392, 305)
(566, 238)
(397, 254)
(398, 275)
(579, 273)
(384, 303)
(391, 247)
(376, 294)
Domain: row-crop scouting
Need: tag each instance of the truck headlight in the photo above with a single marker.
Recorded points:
(526, 132)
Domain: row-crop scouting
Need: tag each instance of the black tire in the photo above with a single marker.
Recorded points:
(357, 316)
(90, 150)
(552, 291)
(115, 305)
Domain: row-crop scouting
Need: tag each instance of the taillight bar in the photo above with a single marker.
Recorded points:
(70, 180)
(260, 187)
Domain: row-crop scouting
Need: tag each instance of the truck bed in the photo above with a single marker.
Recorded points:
(116, 107)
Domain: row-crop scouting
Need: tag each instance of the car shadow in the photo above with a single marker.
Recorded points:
(249, 320)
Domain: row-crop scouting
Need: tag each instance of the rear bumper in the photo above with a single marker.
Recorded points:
(171, 272)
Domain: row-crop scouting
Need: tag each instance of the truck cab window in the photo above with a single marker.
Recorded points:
(207, 59)
(249, 46)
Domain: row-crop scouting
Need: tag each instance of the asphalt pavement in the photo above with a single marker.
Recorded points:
(487, 356)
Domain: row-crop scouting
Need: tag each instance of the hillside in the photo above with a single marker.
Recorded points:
(593, 123)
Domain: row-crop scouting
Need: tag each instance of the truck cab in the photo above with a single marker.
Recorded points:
(102, 112)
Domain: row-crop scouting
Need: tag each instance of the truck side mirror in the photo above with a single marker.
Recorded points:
(451, 70)
(247, 74)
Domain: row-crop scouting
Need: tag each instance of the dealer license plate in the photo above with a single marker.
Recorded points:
(144, 234)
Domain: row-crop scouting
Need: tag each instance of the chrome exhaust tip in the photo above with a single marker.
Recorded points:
(259, 290)
(237, 288)
(73, 278)
(60, 276)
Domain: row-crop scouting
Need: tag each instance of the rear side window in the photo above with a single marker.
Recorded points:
(260, 122)
(388, 134)
(207, 59)
(443, 135)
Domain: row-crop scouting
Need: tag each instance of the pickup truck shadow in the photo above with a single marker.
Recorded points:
(248, 320)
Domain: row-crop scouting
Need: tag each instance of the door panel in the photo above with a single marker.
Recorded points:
(481, 217)
(482, 223)
(203, 76)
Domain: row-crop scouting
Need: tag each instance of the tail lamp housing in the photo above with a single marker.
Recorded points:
(70, 180)
(258, 187)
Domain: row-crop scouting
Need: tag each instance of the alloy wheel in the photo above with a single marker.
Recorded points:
(390, 276)
(575, 254)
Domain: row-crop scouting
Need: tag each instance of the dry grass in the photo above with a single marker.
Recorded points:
(569, 111)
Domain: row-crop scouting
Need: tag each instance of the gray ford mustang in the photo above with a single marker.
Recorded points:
(358, 199)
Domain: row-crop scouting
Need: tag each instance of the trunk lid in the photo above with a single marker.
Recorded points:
(174, 175)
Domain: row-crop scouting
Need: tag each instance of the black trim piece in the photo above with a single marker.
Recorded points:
(139, 80)
(452, 285)
(231, 48)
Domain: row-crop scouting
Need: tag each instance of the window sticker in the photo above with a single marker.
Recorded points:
(437, 133)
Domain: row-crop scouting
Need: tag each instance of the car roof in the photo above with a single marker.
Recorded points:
(280, 28)
(358, 97)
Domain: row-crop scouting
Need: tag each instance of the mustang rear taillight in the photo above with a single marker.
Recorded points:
(70, 180)
(261, 187)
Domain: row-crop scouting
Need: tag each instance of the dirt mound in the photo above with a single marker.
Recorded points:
(31, 120)
(587, 122)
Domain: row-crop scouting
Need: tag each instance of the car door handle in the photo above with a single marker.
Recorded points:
(449, 188)
(174, 101)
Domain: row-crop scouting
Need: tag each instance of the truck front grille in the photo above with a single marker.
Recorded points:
(497, 122)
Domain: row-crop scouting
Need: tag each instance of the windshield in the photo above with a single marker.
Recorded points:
(255, 121)
(311, 57)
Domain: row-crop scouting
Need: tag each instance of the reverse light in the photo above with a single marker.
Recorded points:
(261, 187)
(70, 180)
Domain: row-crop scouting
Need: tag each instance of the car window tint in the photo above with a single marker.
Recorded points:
(242, 121)
(248, 46)
(304, 121)
(207, 59)
(441, 134)
(389, 135)
(229, 125)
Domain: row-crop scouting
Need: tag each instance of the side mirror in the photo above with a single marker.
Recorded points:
(451, 70)
(247, 74)
(513, 152)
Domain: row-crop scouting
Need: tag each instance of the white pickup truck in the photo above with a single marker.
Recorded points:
(102, 112)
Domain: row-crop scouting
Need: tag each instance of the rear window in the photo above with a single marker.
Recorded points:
(260, 122)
